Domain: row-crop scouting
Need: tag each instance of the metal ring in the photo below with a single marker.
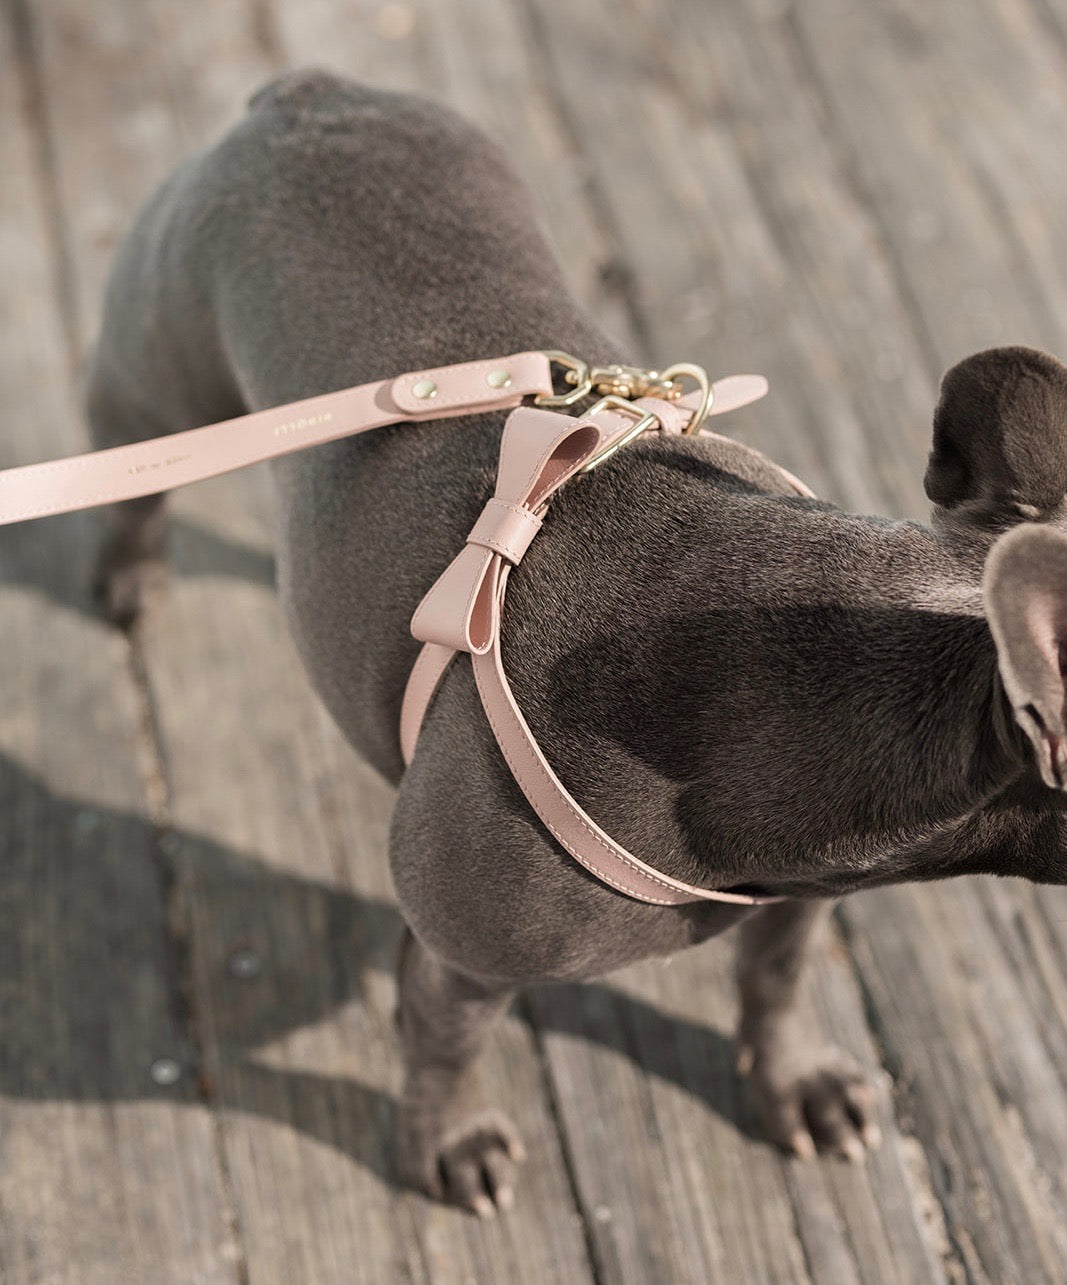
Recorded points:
(644, 419)
(707, 393)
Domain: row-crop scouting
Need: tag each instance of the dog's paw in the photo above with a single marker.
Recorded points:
(123, 591)
(474, 1165)
(821, 1103)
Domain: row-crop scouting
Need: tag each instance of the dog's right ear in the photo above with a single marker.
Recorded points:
(1000, 437)
(1025, 591)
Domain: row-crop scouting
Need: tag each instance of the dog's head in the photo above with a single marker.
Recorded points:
(998, 467)
(999, 453)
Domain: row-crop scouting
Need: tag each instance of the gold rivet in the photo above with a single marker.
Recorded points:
(425, 388)
(498, 378)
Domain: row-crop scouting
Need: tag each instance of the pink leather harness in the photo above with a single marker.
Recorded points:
(540, 450)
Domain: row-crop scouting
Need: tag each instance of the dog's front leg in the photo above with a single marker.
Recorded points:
(810, 1097)
(451, 1145)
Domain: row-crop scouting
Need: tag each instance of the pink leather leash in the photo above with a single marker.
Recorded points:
(163, 463)
(540, 451)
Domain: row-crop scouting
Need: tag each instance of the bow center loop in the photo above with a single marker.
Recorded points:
(506, 528)
(539, 451)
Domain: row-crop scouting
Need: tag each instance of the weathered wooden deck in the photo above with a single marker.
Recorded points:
(846, 196)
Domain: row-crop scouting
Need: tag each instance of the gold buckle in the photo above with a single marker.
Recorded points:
(644, 421)
(627, 383)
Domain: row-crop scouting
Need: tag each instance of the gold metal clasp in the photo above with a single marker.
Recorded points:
(633, 382)
(627, 383)
(576, 373)
(689, 370)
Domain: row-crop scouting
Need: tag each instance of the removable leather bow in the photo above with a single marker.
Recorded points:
(539, 451)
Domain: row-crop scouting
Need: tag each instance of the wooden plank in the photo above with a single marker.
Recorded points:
(980, 1085)
(105, 1175)
(977, 1045)
(278, 854)
(725, 151)
(960, 183)
(678, 1183)
(748, 246)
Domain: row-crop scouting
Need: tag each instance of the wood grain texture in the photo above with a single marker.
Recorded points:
(105, 1175)
(846, 197)
(300, 1062)
(967, 192)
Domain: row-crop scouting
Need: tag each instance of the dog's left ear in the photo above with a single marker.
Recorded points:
(1000, 437)
(1025, 591)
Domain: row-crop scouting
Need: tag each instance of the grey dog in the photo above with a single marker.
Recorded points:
(748, 689)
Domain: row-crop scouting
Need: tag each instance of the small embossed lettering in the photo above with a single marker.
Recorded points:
(164, 463)
(304, 422)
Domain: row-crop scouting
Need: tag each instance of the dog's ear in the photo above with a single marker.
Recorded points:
(1026, 605)
(1000, 437)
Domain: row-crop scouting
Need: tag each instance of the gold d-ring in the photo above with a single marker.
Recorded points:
(643, 421)
(683, 370)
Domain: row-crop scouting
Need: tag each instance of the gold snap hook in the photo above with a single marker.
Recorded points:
(576, 373)
(628, 383)
(632, 382)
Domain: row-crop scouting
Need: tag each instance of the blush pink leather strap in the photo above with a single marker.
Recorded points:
(162, 463)
(462, 611)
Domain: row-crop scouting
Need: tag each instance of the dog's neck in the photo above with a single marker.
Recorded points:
(815, 730)
(934, 782)
(897, 770)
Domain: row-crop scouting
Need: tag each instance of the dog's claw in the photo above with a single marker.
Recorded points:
(483, 1207)
(852, 1148)
(801, 1145)
(871, 1135)
(811, 1104)
(473, 1166)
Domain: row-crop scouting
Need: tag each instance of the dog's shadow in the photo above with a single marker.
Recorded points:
(77, 909)
(83, 942)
